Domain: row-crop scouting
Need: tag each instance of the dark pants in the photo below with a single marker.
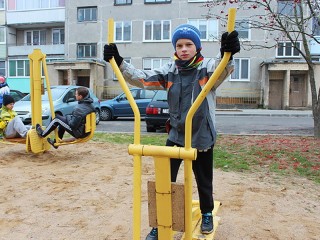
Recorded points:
(60, 122)
(203, 171)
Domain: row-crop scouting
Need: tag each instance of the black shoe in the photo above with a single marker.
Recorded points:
(153, 234)
(52, 142)
(207, 223)
(39, 130)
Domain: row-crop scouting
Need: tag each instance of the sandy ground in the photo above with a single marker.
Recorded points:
(84, 191)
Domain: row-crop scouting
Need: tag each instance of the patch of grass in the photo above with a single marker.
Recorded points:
(280, 154)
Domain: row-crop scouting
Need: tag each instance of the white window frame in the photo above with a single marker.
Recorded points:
(122, 2)
(152, 63)
(2, 35)
(3, 69)
(165, 35)
(286, 8)
(36, 40)
(84, 11)
(91, 47)
(244, 33)
(238, 70)
(61, 35)
(21, 70)
(209, 29)
(18, 5)
(119, 31)
(200, 1)
(156, 1)
(293, 51)
(2, 4)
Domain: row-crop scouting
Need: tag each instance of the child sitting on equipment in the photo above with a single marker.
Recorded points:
(73, 123)
(11, 125)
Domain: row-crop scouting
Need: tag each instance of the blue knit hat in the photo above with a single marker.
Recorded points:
(186, 31)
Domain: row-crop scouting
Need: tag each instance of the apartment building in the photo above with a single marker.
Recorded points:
(72, 34)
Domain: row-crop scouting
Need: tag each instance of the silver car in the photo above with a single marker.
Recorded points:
(64, 101)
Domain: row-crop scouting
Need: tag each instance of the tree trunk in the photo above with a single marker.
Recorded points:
(315, 102)
(316, 120)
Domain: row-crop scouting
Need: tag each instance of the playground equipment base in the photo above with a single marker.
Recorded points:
(196, 222)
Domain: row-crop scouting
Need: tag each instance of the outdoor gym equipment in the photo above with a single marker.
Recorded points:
(34, 143)
(90, 125)
(162, 156)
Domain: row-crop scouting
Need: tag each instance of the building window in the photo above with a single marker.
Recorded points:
(87, 50)
(87, 14)
(316, 26)
(241, 70)
(19, 68)
(58, 36)
(2, 35)
(157, 30)
(157, 1)
(289, 8)
(208, 28)
(35, 37)
(287, 49)
(122, 2)
(128, 60)
(123, 31)
(243, 28)
(2, 68)
(152, 63)
(34, 4)
(1, 4)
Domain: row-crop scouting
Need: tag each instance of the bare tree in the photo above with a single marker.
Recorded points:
(283, 20)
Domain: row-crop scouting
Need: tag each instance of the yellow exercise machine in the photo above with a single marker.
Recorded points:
(37, 58)
(162, 155)
(34, 143)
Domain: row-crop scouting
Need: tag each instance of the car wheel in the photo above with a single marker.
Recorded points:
(151, 129)
(106, 114)
(97, 116)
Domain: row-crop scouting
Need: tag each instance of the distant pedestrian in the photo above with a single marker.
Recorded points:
(4, 88)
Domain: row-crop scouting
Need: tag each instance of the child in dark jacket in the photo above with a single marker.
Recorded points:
(73, 123)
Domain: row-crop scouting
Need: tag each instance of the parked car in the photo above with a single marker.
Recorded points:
(120, 107)
(157, 112)
(64, 101)
(16, 94)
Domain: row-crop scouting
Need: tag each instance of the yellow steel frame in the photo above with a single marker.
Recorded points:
(162, 155)
(34, 143)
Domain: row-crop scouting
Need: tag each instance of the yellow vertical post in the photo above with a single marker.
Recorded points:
(136, 158)
(188, 127)
(35, 86)
(163, 197)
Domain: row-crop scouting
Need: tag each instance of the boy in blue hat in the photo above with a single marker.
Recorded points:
(184, 79)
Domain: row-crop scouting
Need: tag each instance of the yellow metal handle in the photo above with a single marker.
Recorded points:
(124, 86)
(188, 128)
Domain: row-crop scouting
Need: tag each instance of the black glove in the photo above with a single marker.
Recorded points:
(230, 43)
(110, 51)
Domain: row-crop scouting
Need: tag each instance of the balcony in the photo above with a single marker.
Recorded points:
(57, 49)
(45, 17)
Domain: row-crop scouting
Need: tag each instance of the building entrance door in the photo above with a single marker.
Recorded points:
(297, 94)
(275, 94)
(83, 81)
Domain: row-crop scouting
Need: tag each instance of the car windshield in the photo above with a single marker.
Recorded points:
(161, 95)
(55, 92)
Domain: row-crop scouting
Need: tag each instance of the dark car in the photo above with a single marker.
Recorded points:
(157, 112)
(17, 95)
(120, 106)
